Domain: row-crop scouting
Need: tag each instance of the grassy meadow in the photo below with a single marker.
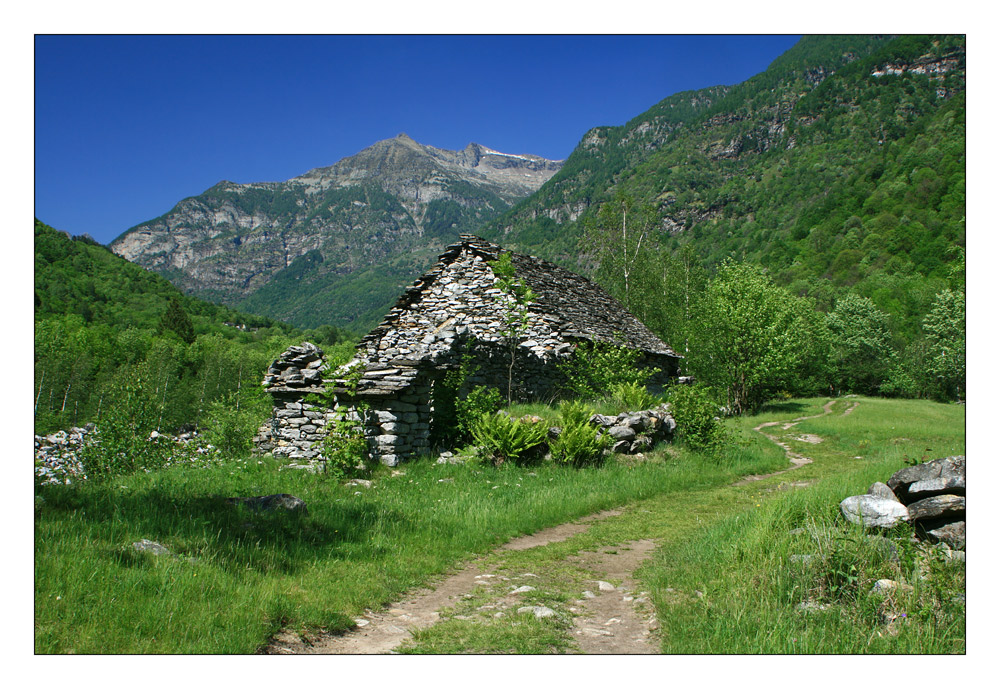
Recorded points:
(236, 577)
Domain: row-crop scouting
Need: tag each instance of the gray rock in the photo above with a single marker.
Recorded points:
(811, 606)
(641, 444)
(880, 490)
(621, 433)
(886, 586)
(945, 475)
(873, 511)
(538, 611)
(151, 547)
(937, 506)
(270, 503)
(949, 532)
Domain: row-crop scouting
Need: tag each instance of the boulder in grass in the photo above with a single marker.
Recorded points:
(945, 475)
(937, 506)
(151, 547)
(873, 511)
(271, 503)
(538, 611)
(880, 490)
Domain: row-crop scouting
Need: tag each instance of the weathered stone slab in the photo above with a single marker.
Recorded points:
(937, 506)
(270, 503)
(881, 490)
(873, 511)
(945, 475)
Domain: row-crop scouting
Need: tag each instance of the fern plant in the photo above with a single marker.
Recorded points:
(503, 439)
(580, 443)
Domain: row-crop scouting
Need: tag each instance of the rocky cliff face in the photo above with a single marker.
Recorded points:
(301, 250)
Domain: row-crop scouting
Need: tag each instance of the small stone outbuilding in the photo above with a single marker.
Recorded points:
(456, 310)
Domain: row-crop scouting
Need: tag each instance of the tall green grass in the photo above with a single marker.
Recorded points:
(785, 550)
(236, 577)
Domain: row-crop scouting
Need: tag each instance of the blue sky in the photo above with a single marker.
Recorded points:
(126, 126)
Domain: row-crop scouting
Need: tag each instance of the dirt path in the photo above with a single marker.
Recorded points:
(795, 458)
(610, 617)
(381, 632)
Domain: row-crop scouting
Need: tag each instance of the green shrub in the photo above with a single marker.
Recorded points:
(579, 444)
(446, 426)
(344, 448)
(124, 445)
(232, 421)
(503, 439)
(596, 367)
(574, 412)
(696, 412)
(480, 400)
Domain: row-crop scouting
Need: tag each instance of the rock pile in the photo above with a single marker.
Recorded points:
(296, 427)
(931, 496)
(636, 431)
(58, 455)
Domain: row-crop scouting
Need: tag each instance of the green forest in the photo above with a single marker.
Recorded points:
(102, 323)
(846, 190)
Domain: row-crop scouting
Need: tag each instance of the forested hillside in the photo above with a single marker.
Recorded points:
(102, 323)
(840, 170)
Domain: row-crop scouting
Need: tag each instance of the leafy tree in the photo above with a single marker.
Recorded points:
(944, 327)
(595, 368)
(748, 338)
(514, 299)
(622, 236)
(861, 346)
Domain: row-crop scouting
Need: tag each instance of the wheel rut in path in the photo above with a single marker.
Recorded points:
(615, 619)
(795, 458)
(383, 631)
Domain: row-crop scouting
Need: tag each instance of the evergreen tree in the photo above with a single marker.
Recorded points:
(177, 320)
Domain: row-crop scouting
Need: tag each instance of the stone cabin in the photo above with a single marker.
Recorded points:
(453, 309)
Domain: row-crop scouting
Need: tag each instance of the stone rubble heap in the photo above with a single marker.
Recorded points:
(637, 431)
(296, 426)
(57, 455)
(930, 496)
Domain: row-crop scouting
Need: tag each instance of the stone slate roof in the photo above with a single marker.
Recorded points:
(581, 308)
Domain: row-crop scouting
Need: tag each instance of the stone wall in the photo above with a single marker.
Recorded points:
(297, 426)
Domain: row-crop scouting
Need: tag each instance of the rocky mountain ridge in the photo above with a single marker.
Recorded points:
(388, 204)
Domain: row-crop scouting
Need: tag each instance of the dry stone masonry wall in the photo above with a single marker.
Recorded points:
(296, 426)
